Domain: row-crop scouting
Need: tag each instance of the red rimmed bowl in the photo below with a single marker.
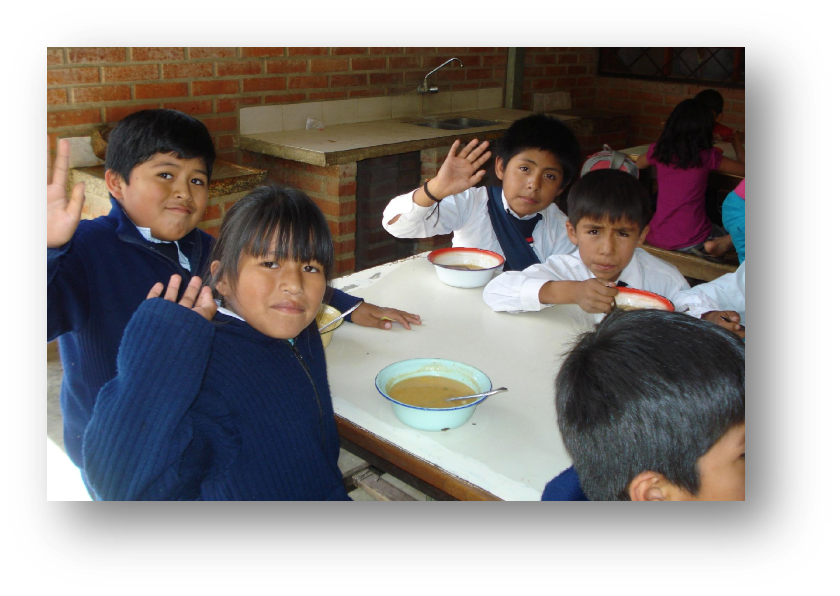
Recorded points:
(465, 267)
(633, 299)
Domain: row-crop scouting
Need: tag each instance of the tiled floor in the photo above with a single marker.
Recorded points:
(347, 461)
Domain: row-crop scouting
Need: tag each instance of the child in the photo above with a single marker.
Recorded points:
(537, 157)
(246, 413)
(728, 292)
(683, 157)
(99, 271)
(734, 215)
(714, 101)
(651, 408)
(609, 211)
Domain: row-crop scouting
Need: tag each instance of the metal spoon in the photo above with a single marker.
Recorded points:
(494, 392)
(342, 315)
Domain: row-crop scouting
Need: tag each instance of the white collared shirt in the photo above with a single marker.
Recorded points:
(147, 234)
(466, 215)
(728, 291)
(519, 291)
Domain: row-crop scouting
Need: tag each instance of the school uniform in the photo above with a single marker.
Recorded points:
(467, 215)
(518, 291)
(728, 292)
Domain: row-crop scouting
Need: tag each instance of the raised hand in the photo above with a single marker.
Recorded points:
(196, 298)
(460, 171)
(370, 315)
(63, 215)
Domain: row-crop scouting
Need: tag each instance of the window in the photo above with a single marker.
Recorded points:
(721, 67)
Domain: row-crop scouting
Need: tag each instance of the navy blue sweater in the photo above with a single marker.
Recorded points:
(213, 411)
(565, 487)
(95, 283)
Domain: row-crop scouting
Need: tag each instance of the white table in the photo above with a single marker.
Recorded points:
(511, 446)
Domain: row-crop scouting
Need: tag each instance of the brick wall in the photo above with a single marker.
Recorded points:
(559, 69)
(87, 87)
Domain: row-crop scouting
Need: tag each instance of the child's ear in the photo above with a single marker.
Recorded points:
(570, 232)
(643, 235)
(221, 284)
(647, 486)
(500, 168)
(115, 183)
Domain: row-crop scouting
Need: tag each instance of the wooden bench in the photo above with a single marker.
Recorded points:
(692, 265)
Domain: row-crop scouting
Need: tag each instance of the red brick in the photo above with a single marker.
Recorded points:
(556, 71)
(246, 67)
(369, 63)
(567, 59)
(347, 247)
(367, 92)
(55, 57)
(155, 90)
(212, 52)
(529, 72)
(220, 123)
(56, 97)
(307, 183)
(262, 52)
(215, 87)
(328, 65)
(264, 84)
(224, 142)
(72, 76)
(289, 98)
(479, 73)
(101, 93)
(739, 107)
(577, 69)
(233, 104)
(73, 117)
(313, 82)
(403, 62)
(212, 212)
(308, 51)
(347, 265)
(156, 54)
(500, 60)
(386, 78)
(89, 55)
(456, 74)
(424, 50)
(481, 50)
(385, 50)
(346, 51)
(285, 66)
(119, 74)
(540, 84)
(117, 113)
(193, 70)
(328, 95)
(658, 109)
(212, 230)
(356, 80)
(192, 108)
(339, 228)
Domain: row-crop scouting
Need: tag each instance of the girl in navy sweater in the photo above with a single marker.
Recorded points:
(227, 398)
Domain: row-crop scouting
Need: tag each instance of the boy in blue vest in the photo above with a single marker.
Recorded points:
(99, 271)
(536, 159)
(651, 407)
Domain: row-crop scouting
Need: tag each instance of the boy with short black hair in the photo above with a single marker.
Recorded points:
(609, 212)
(536, 159)
(99, 271)
(651, 407)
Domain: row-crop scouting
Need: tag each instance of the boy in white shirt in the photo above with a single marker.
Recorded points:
(728, 291)
(537, 157)
(609, 212)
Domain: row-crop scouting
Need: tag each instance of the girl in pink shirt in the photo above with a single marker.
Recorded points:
(683, 157)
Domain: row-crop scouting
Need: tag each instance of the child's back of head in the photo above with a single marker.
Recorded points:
(713, 100)
(543, 132)
(609, 194)
(648, 393)
(141, 135)
(687, 133)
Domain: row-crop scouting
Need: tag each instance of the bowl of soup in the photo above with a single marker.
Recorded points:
(466, 267)
(417, 390)
(325, 315)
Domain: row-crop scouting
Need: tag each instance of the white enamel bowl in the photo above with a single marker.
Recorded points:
(447, 262)
(326, 314)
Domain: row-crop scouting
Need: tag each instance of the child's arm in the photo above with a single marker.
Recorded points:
(141, 424)
(642, 162)
(738, 144)
(728, 319)
(730, 166)
(63, 214)
(592, 295)
(370, 315)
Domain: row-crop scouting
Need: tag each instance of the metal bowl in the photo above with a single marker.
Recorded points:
(327, 313)
(451, 266)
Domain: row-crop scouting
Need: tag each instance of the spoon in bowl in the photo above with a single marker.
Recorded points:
(494, 392)
(342, 315)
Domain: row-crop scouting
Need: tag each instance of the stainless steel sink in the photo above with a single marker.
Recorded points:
(454, 123)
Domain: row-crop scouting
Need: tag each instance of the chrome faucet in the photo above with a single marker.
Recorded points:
(424, 88)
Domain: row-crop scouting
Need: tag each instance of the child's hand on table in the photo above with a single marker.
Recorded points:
(198, 299)
(63, 215)
(370, 315)
(595, 296)
(719, 317)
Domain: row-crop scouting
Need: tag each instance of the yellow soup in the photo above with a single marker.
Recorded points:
(430, 392)
(467, 267)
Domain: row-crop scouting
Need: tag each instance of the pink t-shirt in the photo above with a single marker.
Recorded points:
(680, 220)
(741, 189)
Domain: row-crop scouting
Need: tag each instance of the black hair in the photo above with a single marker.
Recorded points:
(139, 136)
(648, 390)
(281, 220)
(546, 133)
(612, 194)
(713, 100)
(687, 132)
